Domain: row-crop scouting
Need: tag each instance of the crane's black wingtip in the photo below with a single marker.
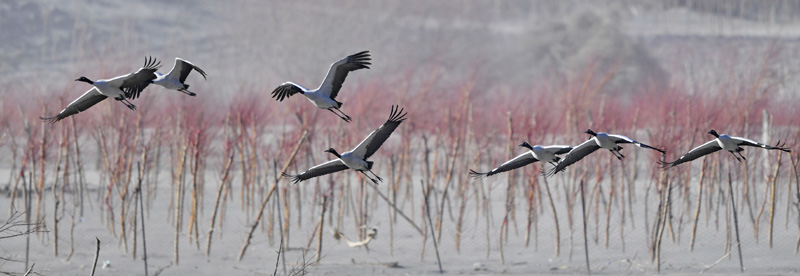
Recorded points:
(51, 120)
(474, 174)
(552, 171)
(397, 114)
(293, 178)
(664, 165)
(364, 53)
(782, 147)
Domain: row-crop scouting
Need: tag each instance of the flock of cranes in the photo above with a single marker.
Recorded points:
(127, 87)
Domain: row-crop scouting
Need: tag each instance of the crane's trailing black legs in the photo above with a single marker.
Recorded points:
(370, 178)
(617, 154)
(737, 157)
(345, 117)
(187, 92)
(376, 176)
(127, 103)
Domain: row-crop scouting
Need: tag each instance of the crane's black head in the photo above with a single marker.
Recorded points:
(526, 145)
(333, 151)
(590, 132)
(85, 79)
(714, 132)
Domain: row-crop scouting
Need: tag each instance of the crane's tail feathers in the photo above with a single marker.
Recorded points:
(294, 178)
(475, 174)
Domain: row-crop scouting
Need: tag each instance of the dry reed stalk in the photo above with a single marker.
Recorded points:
(284, 199)
(251, 178)
(746, 193)
(611, 195)
(699, 203)
(661, 219)
(122, 192)
(152, 182)
(20, 176)
(797, 195)
(21, 173)
(111, 178)
(225, 175)
(359, 219)
(123, 188)
(585, 238)
(72, 235)
(529, 196)
(509, 181)
(397, 210)
(96, 256)
(321, 227)
(42, 164)
(555, 217)
(28, 186)
(735, 222)
(271, 190)
(772, 199)
(14, 150)
(179, 200)
(141, 210)
(56, 199)
(768, 197)
(447, 185)
(392, 191)
(136, 198)
(426, 193)
(198, 147)
(242, 164)
(311, 238)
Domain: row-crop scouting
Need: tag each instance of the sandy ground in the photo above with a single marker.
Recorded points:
(478, 256)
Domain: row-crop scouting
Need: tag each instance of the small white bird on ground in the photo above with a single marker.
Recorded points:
(324, 97)
(371, 234)
(730, 143)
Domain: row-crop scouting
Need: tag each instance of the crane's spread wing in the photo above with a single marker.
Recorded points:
(133, 84)
(182, 68)
(518, 162)
(558, 149)
(751, 143)
(332, 166)
(704, 149)
(619, 139)
(80, 104)
(375, 139)
(285, 90)
(339, 70)
(575, 155)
